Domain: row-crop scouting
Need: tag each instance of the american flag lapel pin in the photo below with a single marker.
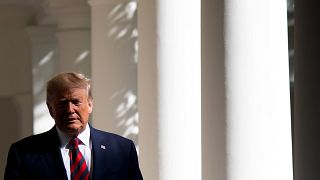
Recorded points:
(102, 146)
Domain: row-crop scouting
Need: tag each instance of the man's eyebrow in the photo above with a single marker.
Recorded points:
(71, 99)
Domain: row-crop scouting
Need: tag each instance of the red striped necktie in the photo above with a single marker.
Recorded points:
(78, 165)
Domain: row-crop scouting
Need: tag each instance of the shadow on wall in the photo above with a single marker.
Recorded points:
(9, 131)
(124, 36)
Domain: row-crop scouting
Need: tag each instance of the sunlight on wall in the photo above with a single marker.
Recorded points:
(129, 105)
(42, 70)
(46, 58)
(36, 70)
(120, 14)
(123, 35)
(42, 119)
(82, 57)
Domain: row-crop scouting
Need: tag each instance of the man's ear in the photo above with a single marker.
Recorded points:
(90, 104)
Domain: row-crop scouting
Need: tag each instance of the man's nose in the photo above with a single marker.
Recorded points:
(70, 107)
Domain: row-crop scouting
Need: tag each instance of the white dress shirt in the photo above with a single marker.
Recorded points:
(84, 147)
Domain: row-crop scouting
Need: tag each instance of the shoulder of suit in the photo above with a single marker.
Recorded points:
(109, 135)
(37, 139)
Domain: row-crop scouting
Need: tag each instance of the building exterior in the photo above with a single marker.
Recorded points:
(202, 87)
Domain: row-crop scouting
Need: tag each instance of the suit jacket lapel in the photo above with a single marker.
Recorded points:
(100, 155)
(53, 157)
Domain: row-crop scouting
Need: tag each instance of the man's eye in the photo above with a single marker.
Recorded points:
(61, 103)
(76, 102)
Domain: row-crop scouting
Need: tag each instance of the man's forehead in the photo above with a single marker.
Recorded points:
(73, 90)
(71, 93)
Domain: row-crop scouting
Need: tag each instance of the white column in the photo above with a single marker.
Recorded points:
(73, 34)
(258, 124)
(44, 65)
(169, 89)
(114, 66)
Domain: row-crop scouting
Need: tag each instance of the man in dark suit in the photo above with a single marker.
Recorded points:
(72, 149)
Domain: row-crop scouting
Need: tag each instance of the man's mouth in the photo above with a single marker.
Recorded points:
(71, 119)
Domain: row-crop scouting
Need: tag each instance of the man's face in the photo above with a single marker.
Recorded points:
(71, 109)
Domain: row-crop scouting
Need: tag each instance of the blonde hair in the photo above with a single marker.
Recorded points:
(65, 81)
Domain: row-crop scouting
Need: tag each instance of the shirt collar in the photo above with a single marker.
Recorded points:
(84, 136)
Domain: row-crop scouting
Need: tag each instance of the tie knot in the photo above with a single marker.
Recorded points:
(74, 142)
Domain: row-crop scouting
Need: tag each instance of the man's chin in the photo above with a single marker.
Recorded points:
(72, 130)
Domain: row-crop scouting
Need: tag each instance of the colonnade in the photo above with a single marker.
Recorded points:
(202, 87)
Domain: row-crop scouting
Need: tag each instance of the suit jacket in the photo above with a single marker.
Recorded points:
(39, 157)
